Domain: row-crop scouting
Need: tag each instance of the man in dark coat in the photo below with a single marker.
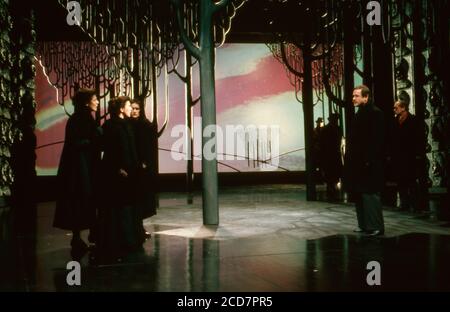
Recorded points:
(78, 169)
(407, 149)
(364, 162)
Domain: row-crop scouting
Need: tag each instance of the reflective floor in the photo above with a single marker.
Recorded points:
(269, 239)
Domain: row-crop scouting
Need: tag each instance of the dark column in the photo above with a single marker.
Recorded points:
(349, 80)
(420, 97)
(383, 91)
(190, 128)
(154, 167)
(308, 116)
(366, 41)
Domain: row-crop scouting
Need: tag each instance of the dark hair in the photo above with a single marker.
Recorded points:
(333, 117)
(81, 98)
(115, 104)
(365, 91)
(403, 104)
(141, 108)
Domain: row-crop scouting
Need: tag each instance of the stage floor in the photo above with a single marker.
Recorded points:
(269, 239)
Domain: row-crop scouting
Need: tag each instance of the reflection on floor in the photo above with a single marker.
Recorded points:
(269, 239)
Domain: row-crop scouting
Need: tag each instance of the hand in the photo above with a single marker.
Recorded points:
(123, 173)
(144, 166)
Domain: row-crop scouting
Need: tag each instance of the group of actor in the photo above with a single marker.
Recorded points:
(105, 181)
(370, 144)
(373, 143)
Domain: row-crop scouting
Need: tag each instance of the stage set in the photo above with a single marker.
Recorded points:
(253, 123)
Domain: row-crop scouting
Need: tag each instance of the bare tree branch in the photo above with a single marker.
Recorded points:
(219, 5)
(182, 78)
(328, 91)
(286, 62)
(359, 71)
(196, 101)
(190, 46)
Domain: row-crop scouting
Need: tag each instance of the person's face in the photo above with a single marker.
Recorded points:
(93, 103)
(398, 109)
(135, 110)
(358, 99)
(126, 110)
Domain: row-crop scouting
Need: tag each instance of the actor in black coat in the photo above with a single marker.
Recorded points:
(78, 169)
(364, 162)
(119, 221)
(407, 155)
(145, 137)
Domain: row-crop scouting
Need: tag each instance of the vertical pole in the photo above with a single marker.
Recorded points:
(208, 107)
(308, 116)
(349, 80)
(189, 127)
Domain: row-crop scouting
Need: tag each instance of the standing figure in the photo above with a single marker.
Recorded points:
(78, 167)
(119, 220)
(406, 155)
(316, 150)
(145, 192)
(364, 162)
(330, 154)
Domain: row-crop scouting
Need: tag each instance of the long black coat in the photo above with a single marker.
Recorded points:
(407, 148)
(119, 221)
(145, 137)
(77, 173)
(365, 151)
(120, 152)
(330, 153)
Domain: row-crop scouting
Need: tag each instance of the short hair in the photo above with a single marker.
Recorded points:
(403, 104)
(115, 104)
(136, 101)
(81, 98)
(365, 91)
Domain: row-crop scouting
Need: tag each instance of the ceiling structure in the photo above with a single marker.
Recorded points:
(254, 21)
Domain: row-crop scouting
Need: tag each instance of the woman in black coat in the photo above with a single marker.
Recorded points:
(120, 222)
(145, 192)
(78, 167)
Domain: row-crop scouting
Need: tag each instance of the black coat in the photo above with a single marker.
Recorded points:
(119, 222)
(330, 153)
(119, 152)
(77, 173)
(407, 148)
(145, 138)
(365, 151)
